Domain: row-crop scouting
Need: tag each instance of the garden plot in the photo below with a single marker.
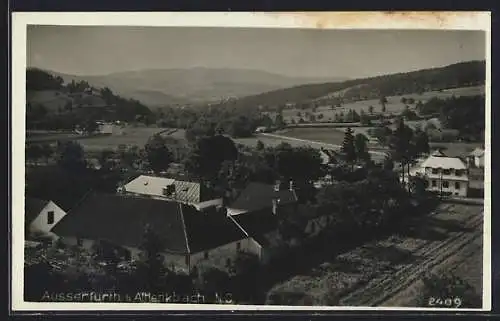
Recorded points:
(372, 274)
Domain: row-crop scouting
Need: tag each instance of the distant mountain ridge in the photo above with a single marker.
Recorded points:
(162, 87)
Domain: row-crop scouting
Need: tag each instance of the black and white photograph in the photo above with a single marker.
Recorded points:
(251, 166)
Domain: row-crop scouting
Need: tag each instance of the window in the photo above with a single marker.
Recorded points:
(206, 255)
(458, 172)
(228, 262)
(446, 184)
(50, 217)
(186, 259)
(434, 171)
(238, 246)
(79, 241)
(457, 185)
(446, 172)
(433, 183)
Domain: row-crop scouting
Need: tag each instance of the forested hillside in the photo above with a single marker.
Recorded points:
(52, 104)
(464, 74)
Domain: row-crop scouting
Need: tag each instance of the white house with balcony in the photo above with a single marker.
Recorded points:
(445, 175)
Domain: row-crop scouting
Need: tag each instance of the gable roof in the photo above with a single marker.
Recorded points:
(189, 192)
(443, 162)
(257, 196)
(122, 219)
(209, 230)
(32, 208)
(258, 224)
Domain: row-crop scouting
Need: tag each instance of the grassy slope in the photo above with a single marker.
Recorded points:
(394, 104)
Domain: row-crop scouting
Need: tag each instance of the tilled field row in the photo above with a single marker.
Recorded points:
(380, 289)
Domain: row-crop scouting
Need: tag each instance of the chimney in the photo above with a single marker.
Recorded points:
(276, 202)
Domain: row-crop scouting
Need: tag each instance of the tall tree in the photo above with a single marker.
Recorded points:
(348, 148)
(152, 260)
(71, 156)
(360, 143)
(383, 102)
(207, 155)
(158, 155)
(421, 143)
(279, 121)
(401, 145)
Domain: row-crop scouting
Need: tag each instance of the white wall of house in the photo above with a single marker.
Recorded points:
(453, 186)
(479, 161)
(216, 256)
(49, 216)
(451, 181)
(220, 255)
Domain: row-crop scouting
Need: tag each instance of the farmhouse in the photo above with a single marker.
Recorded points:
(476, 158)
(257, 211)
(40, 216)
(261, 227)
(166, 188)
(446, 175)
(188, 237)
(260, 196)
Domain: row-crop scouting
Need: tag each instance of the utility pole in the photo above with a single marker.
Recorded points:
(440, 183)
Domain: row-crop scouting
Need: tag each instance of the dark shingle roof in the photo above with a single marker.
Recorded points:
(258, 224)
(257, 196)
(209, 230)
(32, 208)
(121, 220)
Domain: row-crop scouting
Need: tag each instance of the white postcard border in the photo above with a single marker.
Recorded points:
(331, 20)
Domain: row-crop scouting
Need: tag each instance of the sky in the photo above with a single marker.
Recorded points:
(99, 50)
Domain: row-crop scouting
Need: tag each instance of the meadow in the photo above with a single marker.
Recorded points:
(125, 136)
(393, 105)
(128, 136)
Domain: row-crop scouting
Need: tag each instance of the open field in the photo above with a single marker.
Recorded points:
(276, 139)
(127, 136)
(326, 135)
(388, 272)
(335, 136)
(393, 105)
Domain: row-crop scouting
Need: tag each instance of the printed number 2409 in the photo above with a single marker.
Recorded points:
(445, 302)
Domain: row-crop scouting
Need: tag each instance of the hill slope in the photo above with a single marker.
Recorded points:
(52, 105)
(160, 87)
(464, 74)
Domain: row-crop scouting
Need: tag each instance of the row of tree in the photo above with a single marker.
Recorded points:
(465, 114)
